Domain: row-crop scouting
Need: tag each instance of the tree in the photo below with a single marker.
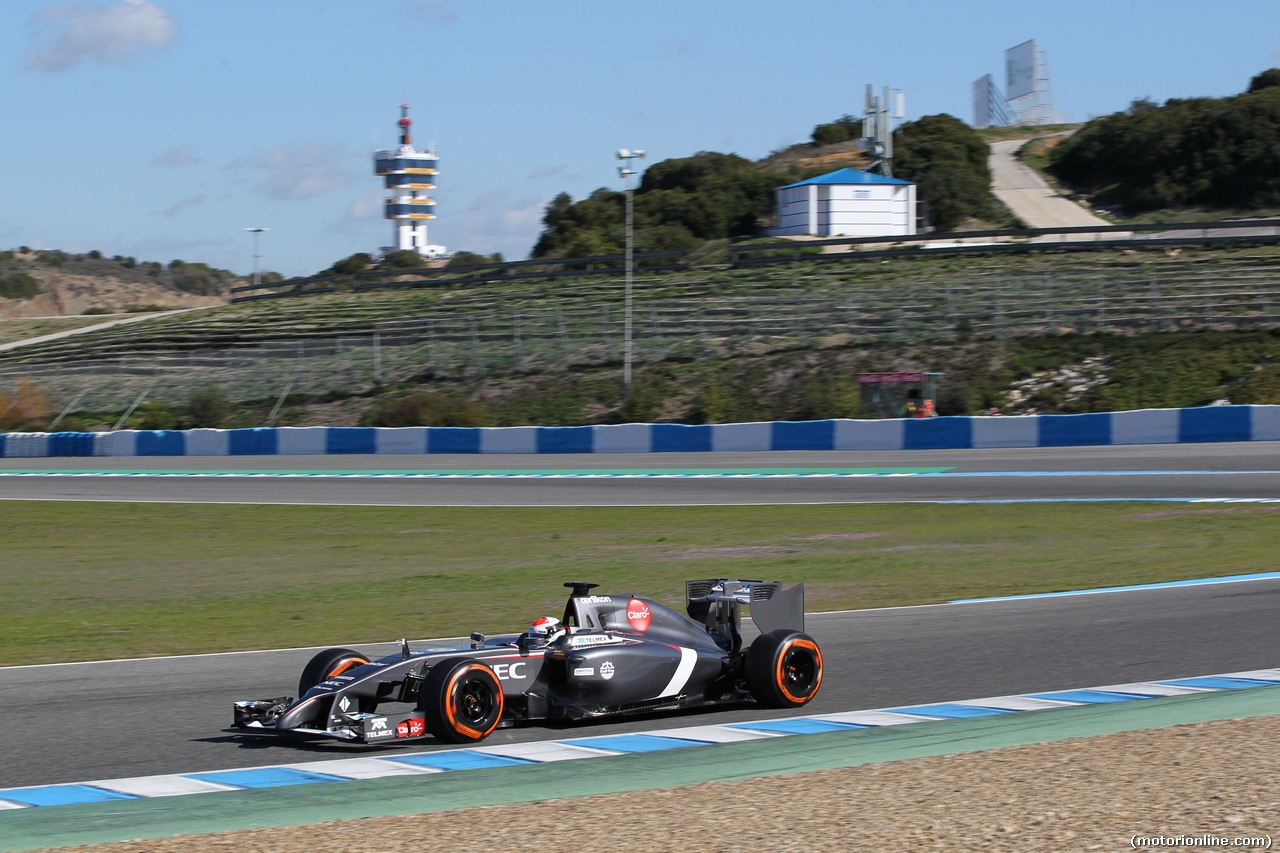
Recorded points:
(841, 130)
(1266, 80)
(473, 259)
(357, 263)
(403, 259)
(947, 160)
(679, 203)
(1204, 152)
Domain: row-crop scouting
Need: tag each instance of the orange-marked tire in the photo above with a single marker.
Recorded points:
(461, 700)
(784, 669)
(326, 665)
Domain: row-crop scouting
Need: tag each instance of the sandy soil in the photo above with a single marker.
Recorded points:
(1216, 779)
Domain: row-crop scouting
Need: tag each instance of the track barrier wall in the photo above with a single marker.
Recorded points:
(1144, 426)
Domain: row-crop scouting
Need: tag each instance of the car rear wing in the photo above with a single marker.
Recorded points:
(718, 603)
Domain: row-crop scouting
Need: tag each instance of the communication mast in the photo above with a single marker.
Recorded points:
(409, 175)
(877, 127)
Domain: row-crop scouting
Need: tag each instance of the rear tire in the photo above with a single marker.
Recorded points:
(461, 700)
(326, 665)
(784, 669)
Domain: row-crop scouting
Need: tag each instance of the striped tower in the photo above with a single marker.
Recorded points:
(409, 175)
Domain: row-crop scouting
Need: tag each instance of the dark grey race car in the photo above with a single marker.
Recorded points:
(621, 654)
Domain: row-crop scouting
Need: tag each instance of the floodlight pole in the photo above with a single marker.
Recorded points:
(257, 255)
(626, 172)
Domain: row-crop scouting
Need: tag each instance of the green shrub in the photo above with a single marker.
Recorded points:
(1216, 153)
(19, 286)
(207, 407)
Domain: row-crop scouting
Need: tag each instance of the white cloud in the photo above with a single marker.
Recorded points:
(296, 172)
(180, 156)
(69, 33)
(365, 209)
(440, 13)
(181, 205)
(492, 224)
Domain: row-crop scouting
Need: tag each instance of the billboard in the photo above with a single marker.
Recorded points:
(1020, 70)
(982, 101)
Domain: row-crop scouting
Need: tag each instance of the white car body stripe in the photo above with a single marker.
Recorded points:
(688, 657)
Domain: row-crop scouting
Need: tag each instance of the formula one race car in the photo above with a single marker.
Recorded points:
(611, 654)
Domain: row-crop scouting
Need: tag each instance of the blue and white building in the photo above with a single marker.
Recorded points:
(410, 175)
(847, 203)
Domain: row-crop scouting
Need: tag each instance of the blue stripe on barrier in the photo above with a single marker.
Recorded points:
(160, 442)
(1206, 424)
(565, 439)
(1075, 430)
(453, 440)
(340, 440)
(1215, 423)
(66, 444)
(952, 433)
(257, 441)
(803, 435)
(677, 438)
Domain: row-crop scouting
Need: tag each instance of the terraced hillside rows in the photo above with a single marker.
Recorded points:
(347, 343)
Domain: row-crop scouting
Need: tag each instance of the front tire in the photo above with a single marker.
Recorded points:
(326, 665)
(461, 700)
(784, 669)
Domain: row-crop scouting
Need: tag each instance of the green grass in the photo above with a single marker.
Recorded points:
(94, 581)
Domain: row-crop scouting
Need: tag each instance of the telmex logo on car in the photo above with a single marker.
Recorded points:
(596, 599)
(639, 615)
(377, 728)
(591, 639)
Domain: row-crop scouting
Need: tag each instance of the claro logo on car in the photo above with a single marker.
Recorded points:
(412, 727)
(639, 615)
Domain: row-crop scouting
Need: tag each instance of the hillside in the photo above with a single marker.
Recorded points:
(51, 283)
(1214, 154)
(1055, 332)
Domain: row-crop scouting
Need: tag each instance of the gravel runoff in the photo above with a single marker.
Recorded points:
(1213, 779)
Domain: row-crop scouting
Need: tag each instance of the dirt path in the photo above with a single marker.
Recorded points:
(1215, 779)
(1031, 199)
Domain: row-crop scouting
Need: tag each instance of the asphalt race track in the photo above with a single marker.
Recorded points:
(1233, 470)
(82, 722)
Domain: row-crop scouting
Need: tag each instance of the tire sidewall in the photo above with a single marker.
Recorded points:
(326, 664)
(764, 675)
(439, 694)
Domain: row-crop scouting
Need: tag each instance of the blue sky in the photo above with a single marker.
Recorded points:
(162, 128)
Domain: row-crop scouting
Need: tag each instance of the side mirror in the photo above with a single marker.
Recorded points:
(477, 640)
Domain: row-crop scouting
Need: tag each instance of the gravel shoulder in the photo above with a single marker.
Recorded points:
(1215, 779)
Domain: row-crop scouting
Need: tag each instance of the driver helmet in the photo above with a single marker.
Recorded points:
(545, 630)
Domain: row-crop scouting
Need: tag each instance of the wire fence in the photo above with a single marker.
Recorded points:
(473, 337)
